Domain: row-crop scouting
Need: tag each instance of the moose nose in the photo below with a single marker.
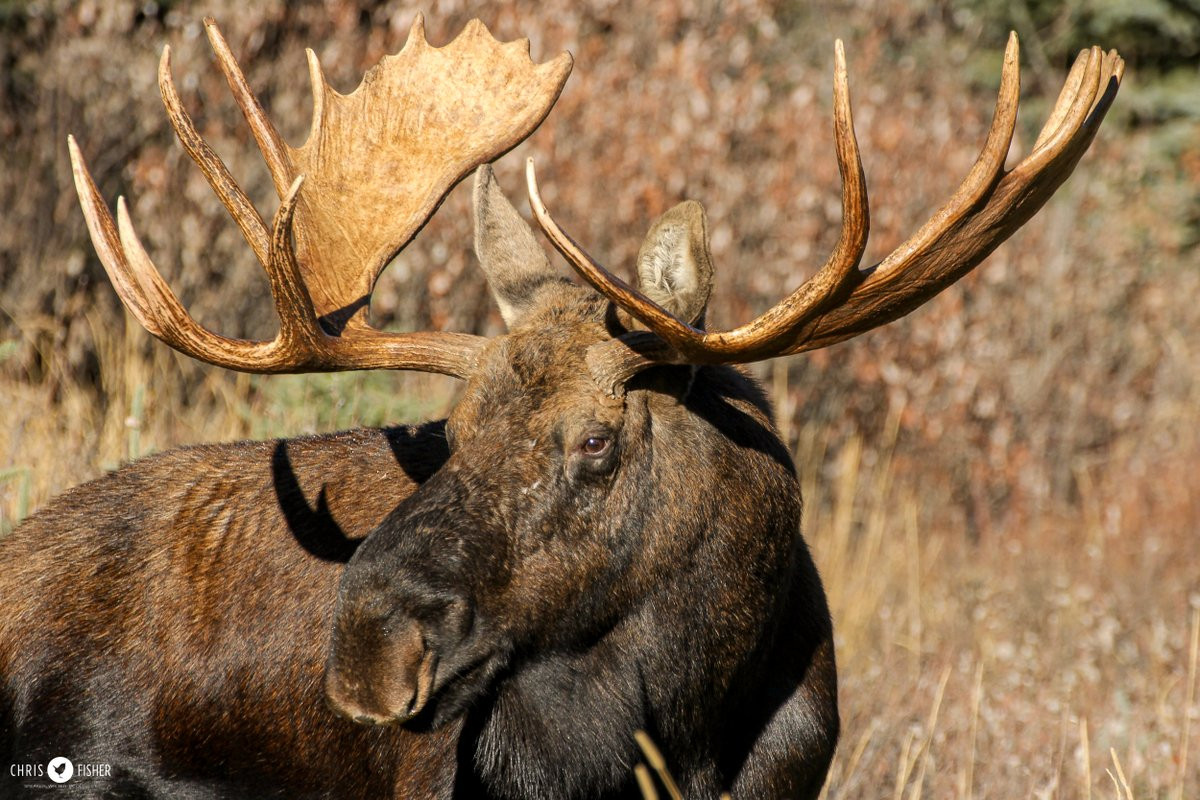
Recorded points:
(391, 684)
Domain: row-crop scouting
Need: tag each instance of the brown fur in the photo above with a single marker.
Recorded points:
(189, 595)
(174, 618)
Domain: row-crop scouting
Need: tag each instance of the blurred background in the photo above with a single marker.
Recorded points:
(1001, 490)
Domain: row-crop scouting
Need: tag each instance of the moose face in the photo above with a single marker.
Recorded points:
(525, 539)
(533, 535)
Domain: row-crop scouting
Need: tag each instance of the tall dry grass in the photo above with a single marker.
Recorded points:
(1000, 490)
(1029, 665)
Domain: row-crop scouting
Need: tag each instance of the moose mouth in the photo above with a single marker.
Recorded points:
(453, 690)
(436, 691)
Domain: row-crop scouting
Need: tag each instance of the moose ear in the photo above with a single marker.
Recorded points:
(512, 260)
(674, 265)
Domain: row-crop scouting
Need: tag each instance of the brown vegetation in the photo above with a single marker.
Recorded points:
(1000, 489)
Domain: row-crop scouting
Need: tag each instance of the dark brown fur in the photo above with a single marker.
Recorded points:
(181, 606)
(174, 618)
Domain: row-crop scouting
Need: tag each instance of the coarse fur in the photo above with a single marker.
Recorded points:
(510, 604)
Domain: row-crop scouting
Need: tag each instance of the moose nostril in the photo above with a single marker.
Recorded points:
(411, 667)
(423, 683)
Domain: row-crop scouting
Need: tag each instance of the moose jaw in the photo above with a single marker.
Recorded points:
(602, 537)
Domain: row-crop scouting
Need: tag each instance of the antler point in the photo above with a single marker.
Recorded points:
(416, 34)
(535, 197)
(562, 64)
(1012, 50)
(215, 37)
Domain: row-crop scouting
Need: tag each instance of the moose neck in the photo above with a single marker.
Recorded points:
(561, 726)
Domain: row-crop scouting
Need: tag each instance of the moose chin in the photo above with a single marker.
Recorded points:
(603, 537)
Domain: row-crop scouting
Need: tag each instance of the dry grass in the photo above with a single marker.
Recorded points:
(1000, 491)
(1021, 666)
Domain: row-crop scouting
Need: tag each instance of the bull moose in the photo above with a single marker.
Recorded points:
(602, 537)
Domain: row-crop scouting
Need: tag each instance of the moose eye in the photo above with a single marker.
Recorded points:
(595, 446)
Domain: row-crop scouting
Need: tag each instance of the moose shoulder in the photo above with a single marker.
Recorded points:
(169, 619)
(602, 537)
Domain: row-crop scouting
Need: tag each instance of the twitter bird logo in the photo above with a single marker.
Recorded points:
(60, 769)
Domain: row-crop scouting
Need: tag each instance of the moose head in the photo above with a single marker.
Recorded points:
(581, 462)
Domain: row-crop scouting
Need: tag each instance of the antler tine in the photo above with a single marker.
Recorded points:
(298, 326)
(1061, 130)
(219, 178)
(270, 143)
(982, 177)
(1066, 98)
(987, 167)
(171, 321)
(140, 286)
(772, 331)
(107, 240)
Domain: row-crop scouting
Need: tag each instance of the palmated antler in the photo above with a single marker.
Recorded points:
(377, 163)
(841, 301)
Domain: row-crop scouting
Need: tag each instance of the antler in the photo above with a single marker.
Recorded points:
(376, 164)
(839, 301)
